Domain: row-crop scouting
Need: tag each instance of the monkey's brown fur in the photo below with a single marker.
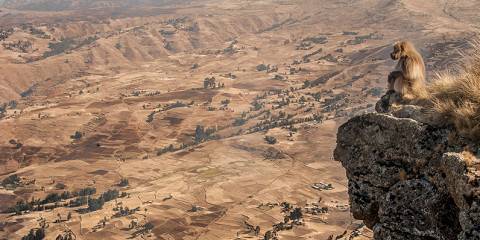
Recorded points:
(408, 79)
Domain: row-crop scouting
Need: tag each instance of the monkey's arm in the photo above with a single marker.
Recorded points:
(392, 77)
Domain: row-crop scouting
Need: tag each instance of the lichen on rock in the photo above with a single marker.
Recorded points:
(408, 178)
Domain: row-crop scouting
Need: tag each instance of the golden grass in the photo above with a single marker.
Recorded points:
(455, 98)
(468, 157)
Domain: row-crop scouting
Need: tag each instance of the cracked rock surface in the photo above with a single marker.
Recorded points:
(408, 179)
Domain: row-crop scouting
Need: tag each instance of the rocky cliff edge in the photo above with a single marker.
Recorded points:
(408, 179)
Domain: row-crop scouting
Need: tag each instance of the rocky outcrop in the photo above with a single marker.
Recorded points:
(409, 179)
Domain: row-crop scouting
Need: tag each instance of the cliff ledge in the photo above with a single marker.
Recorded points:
(409, 179)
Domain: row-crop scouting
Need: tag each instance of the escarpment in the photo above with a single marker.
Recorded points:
(408, 179)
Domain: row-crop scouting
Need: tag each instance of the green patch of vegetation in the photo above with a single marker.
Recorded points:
(262, 67)
(67, 44)
(35, 234)
(270, 139)
(59, 47)
(225, 102)
(95, 204)
(239, 121)
(123, 182)
(11, 181)
(28, 92)
(76, 136)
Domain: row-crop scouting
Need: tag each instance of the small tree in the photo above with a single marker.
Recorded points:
(123, 182)
(270, 139)
(95, 204)
(60, 186)
(262, 67)
(225, 102)
(148, 226)
(199, 134)
(239, 121)
(35, 234)
(77, 135)
(12, 180)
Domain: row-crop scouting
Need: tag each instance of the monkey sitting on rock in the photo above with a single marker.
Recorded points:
(406, 84)
(408, 78)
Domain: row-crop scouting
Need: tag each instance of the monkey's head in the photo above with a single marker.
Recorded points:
(400, 49)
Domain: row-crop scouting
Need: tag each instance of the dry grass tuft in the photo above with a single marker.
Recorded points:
(468, 157)
(456, 97)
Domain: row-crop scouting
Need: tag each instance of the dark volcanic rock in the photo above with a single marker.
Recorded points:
(408, 179)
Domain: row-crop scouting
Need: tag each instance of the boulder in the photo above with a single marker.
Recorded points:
(409, 179)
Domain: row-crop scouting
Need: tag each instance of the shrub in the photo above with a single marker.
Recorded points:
(270, 139)
(60, 186)
(35, 234)
(110, 195)
(150, 117)
(123, 182)
(209, 82)
(19, 207)
(169, 148)
(12, 180)
(59, 48)
(86, 191)
(95, 204)
(262, 67)
(65, 195)
(148, 226)
(27, 92)
(77, 135)
(199, 134)
(51, 198)
(82, 200)
(12, 104)
(239, 121)
(225, 102)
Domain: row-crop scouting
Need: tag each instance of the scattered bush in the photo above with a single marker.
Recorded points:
(121, 211)
(226, 102)
(51, 198)
(77, 135)
(12, 180)
(77, 202)
(150, 117)
(279, 77)
(35, 234)
(270, 139)
(123, 182)
(60, 186)
(59, 48)
(67, 44)
(28, 92)
(169, 148)
(12, 104)
(95, 204)
(209, 82)
(86, 191)
(19, 207)
(262, 67)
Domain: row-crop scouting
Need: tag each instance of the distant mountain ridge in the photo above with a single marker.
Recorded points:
(62, 5)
